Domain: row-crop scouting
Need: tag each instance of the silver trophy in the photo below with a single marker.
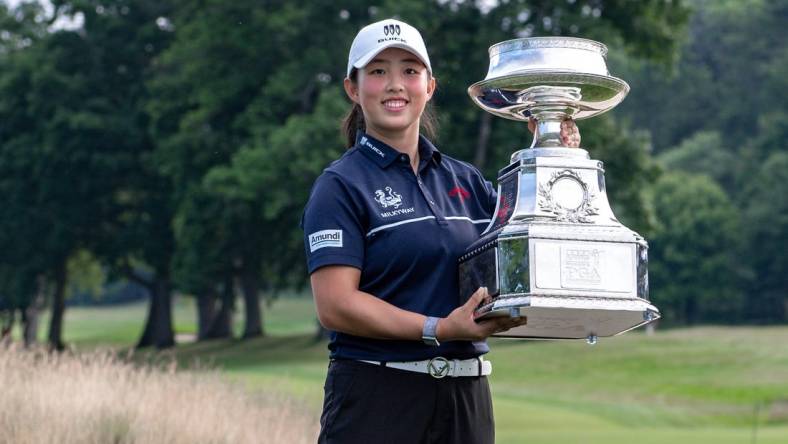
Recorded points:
(554, 252)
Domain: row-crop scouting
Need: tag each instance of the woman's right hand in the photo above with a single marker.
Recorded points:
(460, 325)
(570, 135)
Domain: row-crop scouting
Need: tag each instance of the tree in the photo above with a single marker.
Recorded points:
(200, 264)
(58, 158)
(649, 30)
(199, 91)
(734, 49)
(694, 270)
(765, 222)
(704, 153)
(275, 177)
(89, 103)
(216, 94)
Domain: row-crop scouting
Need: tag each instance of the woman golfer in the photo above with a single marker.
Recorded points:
(383, 228)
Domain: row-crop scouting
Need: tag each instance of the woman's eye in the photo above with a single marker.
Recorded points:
(377, 71)
(411, 71)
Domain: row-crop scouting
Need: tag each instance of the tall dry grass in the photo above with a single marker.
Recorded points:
(99, 398)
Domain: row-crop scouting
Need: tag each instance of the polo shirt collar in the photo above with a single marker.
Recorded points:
(427, 151)
(384, 155)
(379, 152)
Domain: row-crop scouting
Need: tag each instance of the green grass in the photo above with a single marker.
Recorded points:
(700, 385)
(121, 325)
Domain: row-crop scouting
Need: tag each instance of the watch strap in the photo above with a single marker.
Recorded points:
(429, 332)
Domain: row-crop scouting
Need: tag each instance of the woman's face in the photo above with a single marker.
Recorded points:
(393, 90)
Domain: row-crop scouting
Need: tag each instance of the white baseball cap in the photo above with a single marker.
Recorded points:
(389, 33)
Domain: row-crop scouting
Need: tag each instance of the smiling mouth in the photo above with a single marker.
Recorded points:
(395, 104)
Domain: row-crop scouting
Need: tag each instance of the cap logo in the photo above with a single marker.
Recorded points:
(391, 29)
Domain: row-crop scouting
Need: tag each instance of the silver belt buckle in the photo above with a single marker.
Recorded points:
(438, 367)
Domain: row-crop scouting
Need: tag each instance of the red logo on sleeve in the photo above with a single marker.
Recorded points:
(461, 193)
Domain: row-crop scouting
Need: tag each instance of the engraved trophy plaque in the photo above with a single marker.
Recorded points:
(554, 252)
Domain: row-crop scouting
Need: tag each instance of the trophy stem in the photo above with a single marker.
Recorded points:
(548, 131)
(550, 105)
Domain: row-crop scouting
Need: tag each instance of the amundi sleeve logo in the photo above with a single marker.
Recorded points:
(325, 238)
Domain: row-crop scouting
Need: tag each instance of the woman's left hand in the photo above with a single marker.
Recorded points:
(461, 324)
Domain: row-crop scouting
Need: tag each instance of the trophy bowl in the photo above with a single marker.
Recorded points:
(568, 62)
(554, 252)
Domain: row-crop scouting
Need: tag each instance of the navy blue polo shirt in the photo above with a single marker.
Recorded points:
(404, 232)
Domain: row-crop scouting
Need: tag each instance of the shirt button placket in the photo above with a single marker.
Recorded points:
(424, 192)
(438, 215)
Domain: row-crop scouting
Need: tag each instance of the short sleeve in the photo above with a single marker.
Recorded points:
(487, 190)
(332, 223)
(492, 196)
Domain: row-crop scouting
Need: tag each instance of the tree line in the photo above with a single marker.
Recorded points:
(174, 143)
(719, 129)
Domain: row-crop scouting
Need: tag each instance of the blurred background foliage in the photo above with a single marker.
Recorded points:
(172, 144)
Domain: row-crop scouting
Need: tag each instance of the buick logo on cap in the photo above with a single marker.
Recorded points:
(391, 29)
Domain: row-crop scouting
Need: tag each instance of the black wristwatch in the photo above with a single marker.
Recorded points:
(429, 334)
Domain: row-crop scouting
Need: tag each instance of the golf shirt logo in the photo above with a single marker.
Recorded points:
(388, 199)
(460, 193)
(325, 238)
(366, 143)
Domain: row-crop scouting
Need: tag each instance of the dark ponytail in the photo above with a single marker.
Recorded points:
(354, 121)
(352, 124)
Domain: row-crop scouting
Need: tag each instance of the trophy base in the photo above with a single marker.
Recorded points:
(551, 317)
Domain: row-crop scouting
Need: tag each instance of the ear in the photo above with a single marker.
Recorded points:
(351, 89)
(431, 85)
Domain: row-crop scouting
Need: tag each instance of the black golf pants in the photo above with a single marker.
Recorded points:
(368, 403)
